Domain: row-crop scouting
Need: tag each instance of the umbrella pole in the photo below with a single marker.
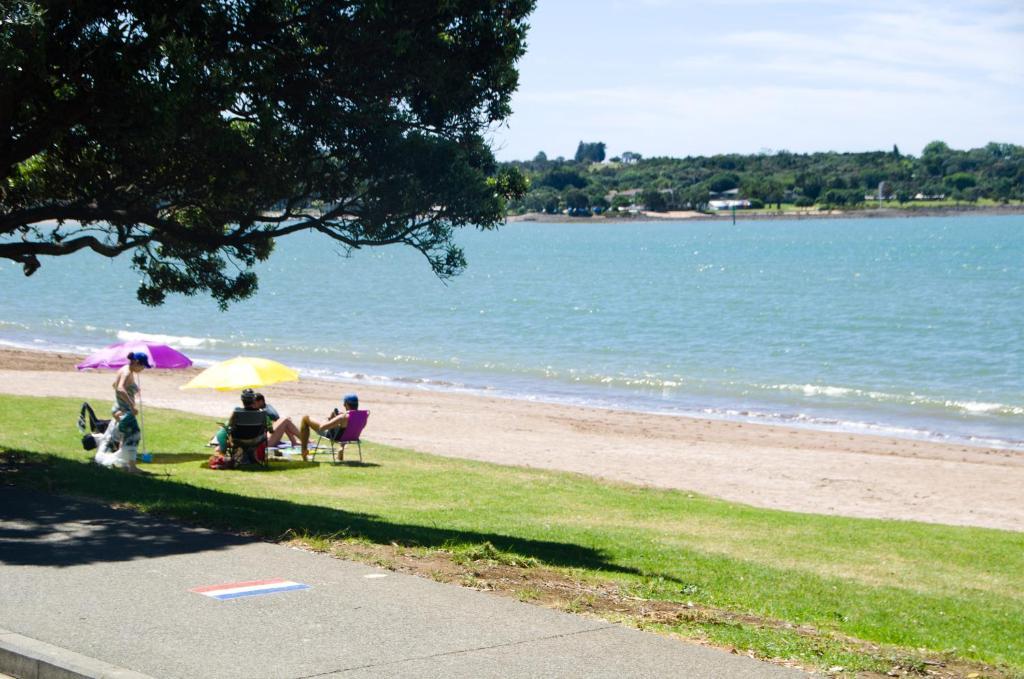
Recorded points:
(142, 422)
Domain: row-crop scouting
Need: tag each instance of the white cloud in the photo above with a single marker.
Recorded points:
(915, 39)
(854, 76)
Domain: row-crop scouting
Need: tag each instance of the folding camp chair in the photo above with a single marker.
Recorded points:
(247, 435)
(93, 429)
(350, 434)
(88, 423)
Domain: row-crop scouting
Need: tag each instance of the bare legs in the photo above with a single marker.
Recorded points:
(304, 429)
(281, 429)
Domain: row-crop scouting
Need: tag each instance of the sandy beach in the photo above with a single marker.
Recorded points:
(766, 466)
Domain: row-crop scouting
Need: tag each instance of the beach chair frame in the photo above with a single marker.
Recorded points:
(353, 432)
(246, 432)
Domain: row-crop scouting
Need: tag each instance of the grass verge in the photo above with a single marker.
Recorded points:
(849, 596)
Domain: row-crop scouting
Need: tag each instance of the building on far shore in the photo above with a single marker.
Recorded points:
(628, 193)
(727, 200)
(740, 203)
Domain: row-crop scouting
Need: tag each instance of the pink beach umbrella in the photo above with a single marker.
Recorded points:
(115, 356)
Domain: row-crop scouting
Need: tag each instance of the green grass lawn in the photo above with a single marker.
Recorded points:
(916, 590)
(945, 202)
(909, 206)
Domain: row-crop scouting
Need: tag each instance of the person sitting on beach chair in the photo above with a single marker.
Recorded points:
(333, 428)
(277, 427)
(243, 438)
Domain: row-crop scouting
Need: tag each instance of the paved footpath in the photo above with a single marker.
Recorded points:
(101, 592)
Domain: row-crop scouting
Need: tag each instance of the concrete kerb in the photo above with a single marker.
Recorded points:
(27, 658)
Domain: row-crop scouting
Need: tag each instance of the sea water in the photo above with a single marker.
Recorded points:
(908, 326)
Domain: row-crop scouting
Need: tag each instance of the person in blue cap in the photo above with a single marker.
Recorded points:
(333, 428)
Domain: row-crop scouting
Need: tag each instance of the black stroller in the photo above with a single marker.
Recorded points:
(91, 427)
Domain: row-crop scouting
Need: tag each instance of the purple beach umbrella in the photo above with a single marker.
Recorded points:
(113, 357)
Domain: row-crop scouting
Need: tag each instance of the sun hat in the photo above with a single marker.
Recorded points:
(140, 357)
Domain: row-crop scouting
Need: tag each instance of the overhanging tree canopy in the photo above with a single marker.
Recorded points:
(195, 133)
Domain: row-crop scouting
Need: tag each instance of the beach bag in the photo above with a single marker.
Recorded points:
(221, 462)
(250, 454)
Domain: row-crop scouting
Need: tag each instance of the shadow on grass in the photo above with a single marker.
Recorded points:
(176, 458)
(61, 531)
(279, 465)
(352, 463)
(296, 462)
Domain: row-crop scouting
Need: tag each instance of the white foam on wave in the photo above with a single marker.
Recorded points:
(815, 422)
(982, 408)
(15, 345)
(814, 389)
(176, 341)
(48, 346)
(912, 399)
(385, 380)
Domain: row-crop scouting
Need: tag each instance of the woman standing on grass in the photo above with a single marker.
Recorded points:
(124, 427)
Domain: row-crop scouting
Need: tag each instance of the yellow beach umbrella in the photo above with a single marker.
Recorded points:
(242, 372)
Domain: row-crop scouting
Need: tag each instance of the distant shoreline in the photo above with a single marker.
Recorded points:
(747, 215)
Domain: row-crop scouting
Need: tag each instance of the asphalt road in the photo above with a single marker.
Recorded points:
(110, 589)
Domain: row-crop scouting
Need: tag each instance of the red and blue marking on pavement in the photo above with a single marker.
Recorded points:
(236, 590)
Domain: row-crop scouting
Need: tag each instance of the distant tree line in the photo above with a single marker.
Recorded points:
(592, 152)
(586, 184)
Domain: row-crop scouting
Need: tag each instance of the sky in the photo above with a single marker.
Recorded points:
(678, 78)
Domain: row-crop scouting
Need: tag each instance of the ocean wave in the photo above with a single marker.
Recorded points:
(827, 390)
(812, 394)
(16, 345)
(981, 408)
(176, 341)
(38, 344)
(821, 423)
(394, 380)
(965, 407)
